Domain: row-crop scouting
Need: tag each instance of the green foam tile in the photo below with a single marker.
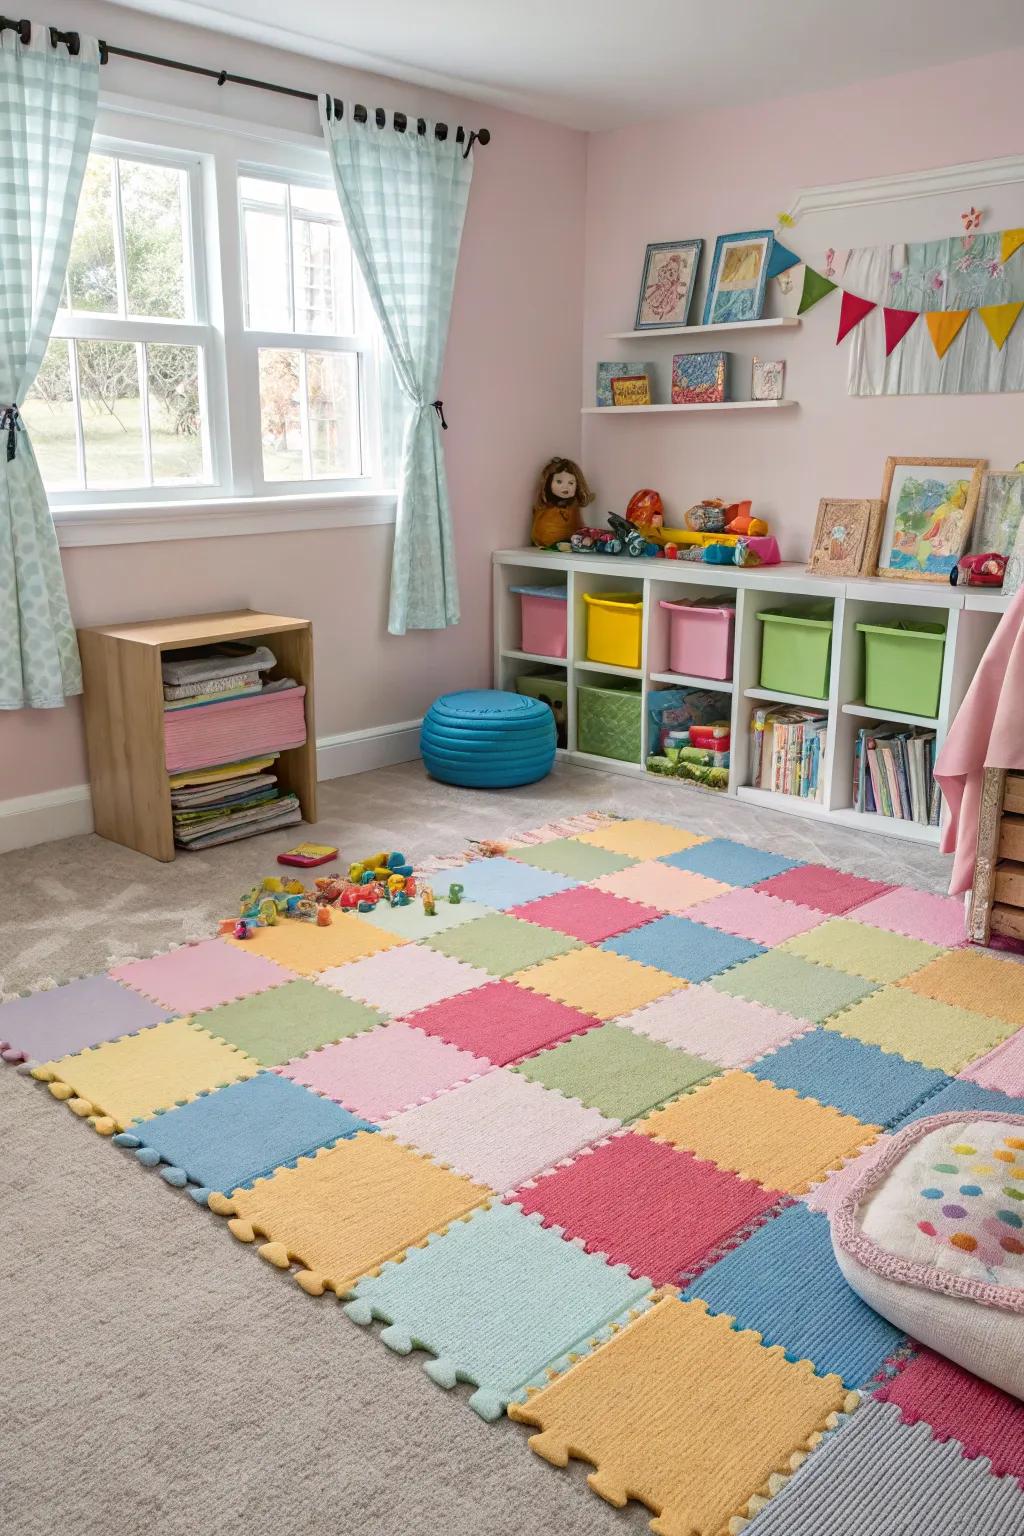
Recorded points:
(616, 1071)
(565, 856)
(794, 986)
(501, 944)
(860, 950)
(275, 1026)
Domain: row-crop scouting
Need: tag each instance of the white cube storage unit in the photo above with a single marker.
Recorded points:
(969, 617)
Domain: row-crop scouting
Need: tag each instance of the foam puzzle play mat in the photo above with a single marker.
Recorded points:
(575, 1127)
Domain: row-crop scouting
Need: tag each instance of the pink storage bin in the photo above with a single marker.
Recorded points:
(234, 730)
(700, 640)
(544, 616)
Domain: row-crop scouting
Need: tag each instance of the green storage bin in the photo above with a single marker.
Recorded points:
(553, 690)
(609, 722)
(796, 649)
(903, 666)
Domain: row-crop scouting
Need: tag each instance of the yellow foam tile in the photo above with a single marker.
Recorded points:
(683, 1413)
(341, 1213)
(134, 1077)
(308, 948)
(965, 978)
(598, 982)
(639, 839)
(759, 1131)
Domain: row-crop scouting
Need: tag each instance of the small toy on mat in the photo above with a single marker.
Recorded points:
(307, 855)
(455, 893)
(427, 898)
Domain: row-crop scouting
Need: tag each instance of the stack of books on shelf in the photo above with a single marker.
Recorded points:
(788, 751)
(893, 774)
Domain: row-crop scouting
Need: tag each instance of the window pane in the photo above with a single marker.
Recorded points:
(322, 201)
(175, 423)
(281, 415)
(266, 270)
(92, 269)
(332, 384)
(152, 204)
(49, 415)
(111, 413)
(255, 189)
(322, 266)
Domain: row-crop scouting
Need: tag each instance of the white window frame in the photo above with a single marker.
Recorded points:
(217, 150)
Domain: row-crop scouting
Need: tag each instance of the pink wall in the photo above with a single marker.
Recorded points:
(511, 391)
(733, 170)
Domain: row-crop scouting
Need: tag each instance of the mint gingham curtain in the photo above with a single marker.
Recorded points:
(403, 197)
(47, 112)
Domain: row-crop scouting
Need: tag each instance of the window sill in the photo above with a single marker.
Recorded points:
(226, 517)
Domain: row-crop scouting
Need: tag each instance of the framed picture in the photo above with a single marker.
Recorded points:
(1000, 512)
(738, 275)
(846, 537)
(766, 379)
(929, 508)
(631, 389)
(666, 288)
(699, 378)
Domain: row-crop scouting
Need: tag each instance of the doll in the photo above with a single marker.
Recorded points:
(556, 512)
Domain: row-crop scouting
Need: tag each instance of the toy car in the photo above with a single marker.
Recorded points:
(629, 534)
(978, 571)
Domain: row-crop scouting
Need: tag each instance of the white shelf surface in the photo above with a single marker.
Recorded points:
(773, 696)
(549, 661)
(707, 405)
(888, 826)
(606, 666)
(773, 323)
(683, 680)
(862, 712)
(789, 804)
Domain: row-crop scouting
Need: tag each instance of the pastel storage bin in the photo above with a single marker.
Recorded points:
(544, 619)
(796, 649)
(551, 690)
(614, 623)
(700, 639)
(608, 719)
(903, 666)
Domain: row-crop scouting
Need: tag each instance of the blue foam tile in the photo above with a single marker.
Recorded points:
(683, 948)
(862, 1080)
(961, 1094)
(502, 883)
(784, 1282)
(232, 1136)
(735, 863)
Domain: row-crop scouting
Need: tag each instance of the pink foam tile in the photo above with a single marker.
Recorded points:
(199, 976)
(705, 1022)
(917, 914)
(661, 885)
(503, 1022)
(958, 1406)
(403, 980)
(753, 915)
(823, 888)
(500, 1129)
(1002, 1069)
(827, 1195)
(587, 914)
(385, 1070)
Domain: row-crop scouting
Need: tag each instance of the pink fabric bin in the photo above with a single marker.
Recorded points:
(234, 730)
(545, 619)
(700, 640)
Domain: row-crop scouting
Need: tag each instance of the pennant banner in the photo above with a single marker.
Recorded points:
(1012, 241)
(815, 288)
(1000, 319)
(781, 259)
(897, 324)
(944, 326)
(852, 313)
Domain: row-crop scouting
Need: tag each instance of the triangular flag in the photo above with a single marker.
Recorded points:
(781, 259)
(815, 288)
(852, 313)
(897, 324)
(1000, 319)
(945, 326)
(1012, 241)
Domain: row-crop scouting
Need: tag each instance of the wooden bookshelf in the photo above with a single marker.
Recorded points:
(124, 716)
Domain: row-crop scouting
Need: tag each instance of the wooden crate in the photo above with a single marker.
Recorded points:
(124, 716)
(997, 896)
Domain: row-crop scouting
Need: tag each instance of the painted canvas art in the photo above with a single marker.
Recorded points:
(608, 371)
(929, 508)
(846, 536)
(738, 275)
(666, 288)
(1000, 512)
(766, 378)
(699, 378)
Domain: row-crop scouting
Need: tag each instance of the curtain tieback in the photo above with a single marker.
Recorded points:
(439, 408)
(10, 420)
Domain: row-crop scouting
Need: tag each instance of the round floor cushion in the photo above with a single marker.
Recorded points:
(485, 739)
(932, 1237)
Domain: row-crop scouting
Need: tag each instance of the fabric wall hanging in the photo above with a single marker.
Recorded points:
(403, 197)
(47, 112)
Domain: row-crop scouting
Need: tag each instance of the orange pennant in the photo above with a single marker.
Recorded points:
(945, 326)
(1012, 241)
(1000, 319)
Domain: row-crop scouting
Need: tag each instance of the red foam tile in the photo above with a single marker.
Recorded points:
(502, 1021)
(658, 1209)
(587, 914)
(959, 1406)
(824, 889)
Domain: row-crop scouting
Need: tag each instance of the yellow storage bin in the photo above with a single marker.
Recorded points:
(614, 625)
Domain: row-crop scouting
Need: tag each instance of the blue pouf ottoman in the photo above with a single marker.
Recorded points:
(486, 739)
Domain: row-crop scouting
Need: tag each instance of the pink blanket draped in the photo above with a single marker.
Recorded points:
(988, 732)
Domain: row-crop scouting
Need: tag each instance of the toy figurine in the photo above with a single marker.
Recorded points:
(740, 521)
(563, 493)
(455, 894)
(429, 904)
(646, 508)
(268, 912)
(323, 917)
(243, 930)
(979, 570)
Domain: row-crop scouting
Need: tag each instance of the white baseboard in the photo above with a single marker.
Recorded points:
(31, 819)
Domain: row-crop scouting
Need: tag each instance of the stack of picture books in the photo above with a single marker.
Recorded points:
(893, 773)
(228, 802)
(788, 750)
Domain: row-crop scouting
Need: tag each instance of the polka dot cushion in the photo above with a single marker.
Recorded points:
(932, 1237)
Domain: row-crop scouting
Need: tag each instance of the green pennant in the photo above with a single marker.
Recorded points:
(815, 288)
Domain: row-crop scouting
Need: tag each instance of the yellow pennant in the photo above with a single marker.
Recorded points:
(1000, 319)
(945, 326)
(1012, 241)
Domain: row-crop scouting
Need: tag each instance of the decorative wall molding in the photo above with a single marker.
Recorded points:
(361, 751)
(156, 522)
(970, 177)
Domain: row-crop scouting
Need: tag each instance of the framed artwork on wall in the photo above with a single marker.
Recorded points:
(929, 508)
(631, 389)
(739, 272)
(666, 288)
(766, 379)
(1000, 513)
(846, 537)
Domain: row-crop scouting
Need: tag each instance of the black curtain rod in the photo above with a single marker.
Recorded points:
(224, 77)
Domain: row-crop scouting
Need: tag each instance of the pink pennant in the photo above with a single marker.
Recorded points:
(897, 324)
(852, 313)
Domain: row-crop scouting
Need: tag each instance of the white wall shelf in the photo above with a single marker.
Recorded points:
(863, 712)
(683, 680)
(546, 661)
(607, 667)
(707, 405)
(774, 696)
(782, 323)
